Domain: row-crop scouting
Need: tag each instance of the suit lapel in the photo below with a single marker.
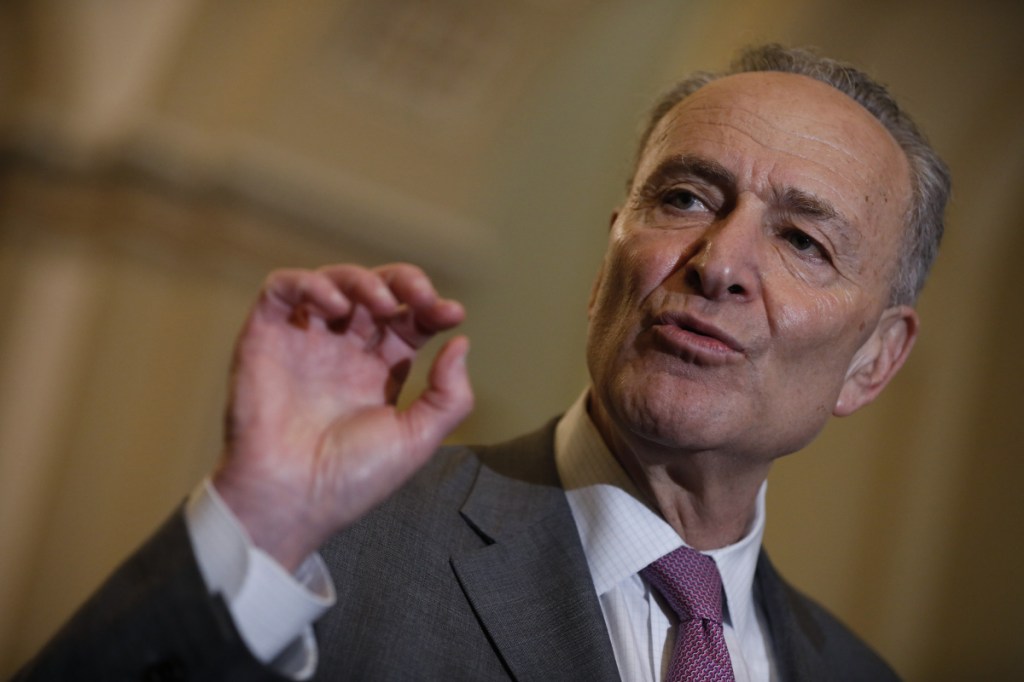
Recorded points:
(530, 585)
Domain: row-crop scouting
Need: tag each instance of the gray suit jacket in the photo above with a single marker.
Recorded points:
(473, 571)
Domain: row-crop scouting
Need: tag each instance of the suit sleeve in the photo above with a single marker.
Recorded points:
(153, 619)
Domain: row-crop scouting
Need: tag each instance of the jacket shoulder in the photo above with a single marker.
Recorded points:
(809, 642)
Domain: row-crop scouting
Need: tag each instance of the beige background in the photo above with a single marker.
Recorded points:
(159, 157)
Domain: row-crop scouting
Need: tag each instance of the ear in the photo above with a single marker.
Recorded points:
(876, 362)
(600, 273)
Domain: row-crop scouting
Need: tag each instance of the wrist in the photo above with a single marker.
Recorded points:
(273, 516)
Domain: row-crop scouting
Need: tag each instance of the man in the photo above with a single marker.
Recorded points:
(759, 277)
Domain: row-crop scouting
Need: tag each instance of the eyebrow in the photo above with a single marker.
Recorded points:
(688, 165)
(797, 202)
(807, 205)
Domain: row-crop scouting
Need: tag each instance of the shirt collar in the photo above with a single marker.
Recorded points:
(621, 533)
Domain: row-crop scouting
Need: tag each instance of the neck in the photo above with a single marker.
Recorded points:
(709, 497)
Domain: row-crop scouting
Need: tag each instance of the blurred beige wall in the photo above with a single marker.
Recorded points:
(156, 159)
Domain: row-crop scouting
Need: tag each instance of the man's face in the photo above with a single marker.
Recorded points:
(743, 296)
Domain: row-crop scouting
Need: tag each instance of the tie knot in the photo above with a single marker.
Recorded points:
(689, 582)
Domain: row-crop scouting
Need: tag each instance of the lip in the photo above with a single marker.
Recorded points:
(695, 339)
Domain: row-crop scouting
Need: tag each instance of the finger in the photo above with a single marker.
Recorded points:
(293, 290)
(404, 332)
(447, 399)
(362, 286)
(423, 313)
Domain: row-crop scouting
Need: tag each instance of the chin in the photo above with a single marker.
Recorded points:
(671, 421)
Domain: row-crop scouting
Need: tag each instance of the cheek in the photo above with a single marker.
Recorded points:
(633, 268)
(820, 329)
(808, 372)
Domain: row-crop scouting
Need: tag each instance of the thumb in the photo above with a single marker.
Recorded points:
(447, 399)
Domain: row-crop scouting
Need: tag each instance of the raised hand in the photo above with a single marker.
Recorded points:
(313, 437)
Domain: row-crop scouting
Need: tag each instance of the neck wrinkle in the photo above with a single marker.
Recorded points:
(708, 498)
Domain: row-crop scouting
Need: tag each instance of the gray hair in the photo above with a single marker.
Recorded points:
(930, 180)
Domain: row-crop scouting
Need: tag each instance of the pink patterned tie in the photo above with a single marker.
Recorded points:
(690, 583)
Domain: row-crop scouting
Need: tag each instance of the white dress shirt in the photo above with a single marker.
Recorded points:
(621, 535)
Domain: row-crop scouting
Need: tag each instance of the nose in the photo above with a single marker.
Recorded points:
(724, 264)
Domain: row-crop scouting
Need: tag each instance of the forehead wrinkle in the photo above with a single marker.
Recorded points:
(796, 135)
(856, 169)
(717, 173)
(765, 124)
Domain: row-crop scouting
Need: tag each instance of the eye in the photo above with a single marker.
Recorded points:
(804, 243)
(684, 200)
